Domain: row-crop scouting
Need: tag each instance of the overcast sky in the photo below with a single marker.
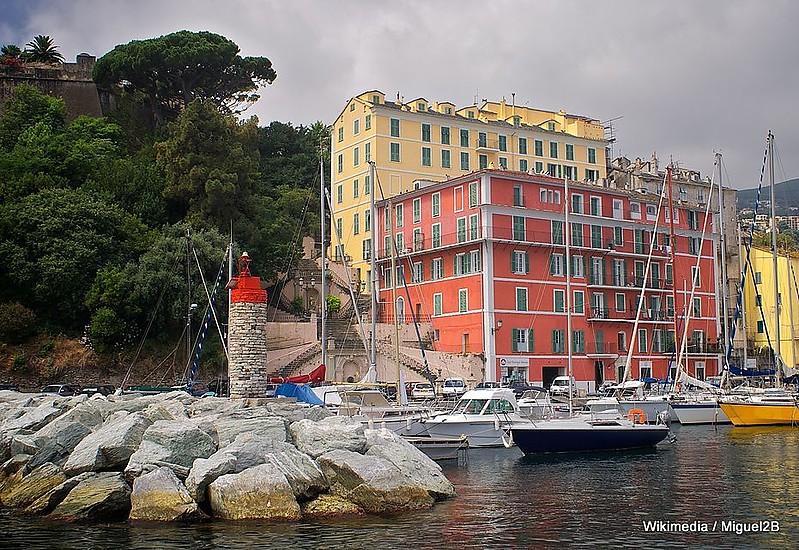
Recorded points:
(683, 78)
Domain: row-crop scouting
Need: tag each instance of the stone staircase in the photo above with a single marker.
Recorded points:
(407, 361)
(298, 362)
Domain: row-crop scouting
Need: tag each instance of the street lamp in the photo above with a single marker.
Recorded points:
(499, 326)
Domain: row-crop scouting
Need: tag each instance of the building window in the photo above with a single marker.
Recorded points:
(760, 327)
(758, 278)
(474, 228)
(400, 215)
(444, 135)
(425, 132)
(539, 148)
(340, 163)
(356, 226)
(596, 236)
(521, 299)
(591, 155)
(503, 143)
(559, 301)
(518, 196)
(473, 194)
(446, 158)
(426, 156)
(464, 138)
(518, 228)
(557, 232)
(461, 224)
(520, 262)
(417, 273)
(367, 220)
(356, 126)
(341, 133)
(418, 239)
(618, 236)
(523, 165)
(697, 313)
(463, 300)
(591, 175)
(481, 139)
(578, 266)
(558, 341)
(579, 302)
(339, 193)
(556, 264)
(620, 302)
(437, 269)
(464, 161)
(578, 341)
(696, 275)
(437, 303)
(569, 151)
(417, 210)
(642, 340)
(596, 206)
(553, 170)
(367, 185)
(503, 163)
(395, 152)
(523, 146)
(476, 261)
(366, 249)
(577, 203)
(368, 122)
(539, 167)
(356, 189)
(436, 235)
(436, 205)
(577, 234)
(553, 149)
(395, 127)
(482, 162)
(339, 228)
(521, 340)
(356, 156)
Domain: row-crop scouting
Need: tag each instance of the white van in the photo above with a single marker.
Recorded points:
(560, 386)
(453, 387)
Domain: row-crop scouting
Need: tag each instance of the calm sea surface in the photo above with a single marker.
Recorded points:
(710, 483)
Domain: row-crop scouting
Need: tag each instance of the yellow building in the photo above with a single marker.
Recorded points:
(760, 329)
(420, 140)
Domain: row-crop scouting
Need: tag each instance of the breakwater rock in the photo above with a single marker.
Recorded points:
(174, 457)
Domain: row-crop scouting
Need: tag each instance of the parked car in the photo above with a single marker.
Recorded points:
(102, 389)
(454, 387)
(486, 385)
(61, 389)
(560, 386)
(9, 387)
(520, 386)
(423, 390)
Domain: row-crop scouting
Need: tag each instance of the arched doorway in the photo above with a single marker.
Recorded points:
(400, 310)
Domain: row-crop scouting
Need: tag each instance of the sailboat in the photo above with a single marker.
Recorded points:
(775, 406)
(607, 430)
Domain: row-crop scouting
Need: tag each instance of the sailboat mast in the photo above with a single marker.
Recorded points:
(672, 255)
(723, 244)
(373, 265)
(323, 282)
(567, 201)
(742, 309)
(188, 297)
(394, 281)
(778, 354)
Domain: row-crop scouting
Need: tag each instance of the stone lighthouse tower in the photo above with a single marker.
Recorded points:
(247, 334)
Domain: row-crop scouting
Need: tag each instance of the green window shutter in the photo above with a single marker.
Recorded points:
(554, 341)
(512, 261)
(530, 340)
(514, 339)
(551, 265)
(527, 262)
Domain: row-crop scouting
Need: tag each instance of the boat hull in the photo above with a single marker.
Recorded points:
(479, 433)
(575, 438)
(699, 413)
(761, 414)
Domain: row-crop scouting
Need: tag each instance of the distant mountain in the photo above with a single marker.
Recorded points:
(786, 195)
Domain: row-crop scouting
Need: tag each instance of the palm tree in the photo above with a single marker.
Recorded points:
(10, 50)
(41, 49)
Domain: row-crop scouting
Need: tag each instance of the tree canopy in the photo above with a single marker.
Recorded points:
(169, 72)
(42, 50)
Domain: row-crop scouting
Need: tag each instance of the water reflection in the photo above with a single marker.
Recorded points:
(506, 500)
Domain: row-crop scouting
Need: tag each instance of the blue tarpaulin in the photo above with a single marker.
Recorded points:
(747, 372)
(302, 392)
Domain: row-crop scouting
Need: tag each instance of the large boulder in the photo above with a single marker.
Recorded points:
(160, 496)
(248, 420)
(248, 450)
(110, 447)
(57, 447)
(103, 496)
(260, 492)
(294, 412)
(13, 470)
(33, 419)
(374, 484)
(32, 486)
(418, 468)
(170, 443)
(47, 502)
(327, 505)
(332, 433)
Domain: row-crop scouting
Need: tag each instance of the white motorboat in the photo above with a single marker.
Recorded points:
(483, 416)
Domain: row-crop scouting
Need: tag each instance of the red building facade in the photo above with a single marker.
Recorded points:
(484, 257)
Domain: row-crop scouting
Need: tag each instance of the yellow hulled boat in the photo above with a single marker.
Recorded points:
(775, 407)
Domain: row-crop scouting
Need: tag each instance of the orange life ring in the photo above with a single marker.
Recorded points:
(636, 416)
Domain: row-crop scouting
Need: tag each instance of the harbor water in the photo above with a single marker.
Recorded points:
(719, 487)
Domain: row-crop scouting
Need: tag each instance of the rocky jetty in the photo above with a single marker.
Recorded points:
(173, 457)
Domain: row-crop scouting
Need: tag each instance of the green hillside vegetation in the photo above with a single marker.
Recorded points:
(94, 212)
(785, 193)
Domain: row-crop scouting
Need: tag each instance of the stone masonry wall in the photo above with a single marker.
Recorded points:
(247, 349)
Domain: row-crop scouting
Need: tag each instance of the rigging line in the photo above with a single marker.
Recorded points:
(748, 245)
(150, 323)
